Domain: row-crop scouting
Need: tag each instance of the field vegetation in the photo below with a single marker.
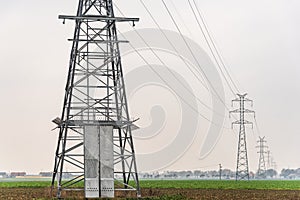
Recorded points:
(183, 184)
(224, 184)
(166, 189)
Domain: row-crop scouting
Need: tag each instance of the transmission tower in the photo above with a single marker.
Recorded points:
(274, 165)
(242, 169)
(262, 151)
(268, 159)
(95, 142)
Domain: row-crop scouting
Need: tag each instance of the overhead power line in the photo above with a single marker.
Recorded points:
(148, 64)
(162, 79)
(177, 79)
(174, 48)
(256, 125)
(215, 46)
(208, 40)
(181, 18)
(192, 53)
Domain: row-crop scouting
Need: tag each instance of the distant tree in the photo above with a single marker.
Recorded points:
(197, 173)
(297, 172)
(287, 173)
(188, 174)
(271, 173)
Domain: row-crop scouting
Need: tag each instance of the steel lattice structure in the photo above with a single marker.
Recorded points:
(242, 168)
(95, 97)
(262, 151)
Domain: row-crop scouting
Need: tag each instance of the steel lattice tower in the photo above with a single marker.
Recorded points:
(242, 169)
(268, 159)
(95, 142)
(261, 164)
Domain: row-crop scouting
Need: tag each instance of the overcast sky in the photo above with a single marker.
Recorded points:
(258, 39)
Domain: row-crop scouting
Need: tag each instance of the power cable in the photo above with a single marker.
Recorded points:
(181, 18)
(210, 48)
(256, 125)
(154, 20)
(215, 46)
(189, 48)
(174, 48)
(162, 79)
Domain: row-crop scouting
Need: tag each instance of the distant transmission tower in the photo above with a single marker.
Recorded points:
(95, 142)
(273, 164)
(242, 169)
(262, 151)
(268, 159)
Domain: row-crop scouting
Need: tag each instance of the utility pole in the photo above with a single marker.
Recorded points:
(242, 168)
(220, 171)
(95, 130)
(261, 164)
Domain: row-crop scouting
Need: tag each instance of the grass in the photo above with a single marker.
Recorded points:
(184, 184)
(24, 184)
(224, 184)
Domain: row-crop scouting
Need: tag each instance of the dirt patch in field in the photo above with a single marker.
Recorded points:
(203, 194)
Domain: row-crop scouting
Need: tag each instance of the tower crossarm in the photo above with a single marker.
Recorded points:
(235, 111)
(245, 122)
(249, 111)
(99, 18)
(242, 111)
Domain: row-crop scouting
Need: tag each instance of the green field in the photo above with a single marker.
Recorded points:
(184, 184)
(216, 184)
(24, 184)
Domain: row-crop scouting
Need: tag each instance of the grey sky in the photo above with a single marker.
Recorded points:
(259, 40)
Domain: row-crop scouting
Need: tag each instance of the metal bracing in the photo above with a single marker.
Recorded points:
(262, 151)
(94, 96)
(242, 168)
